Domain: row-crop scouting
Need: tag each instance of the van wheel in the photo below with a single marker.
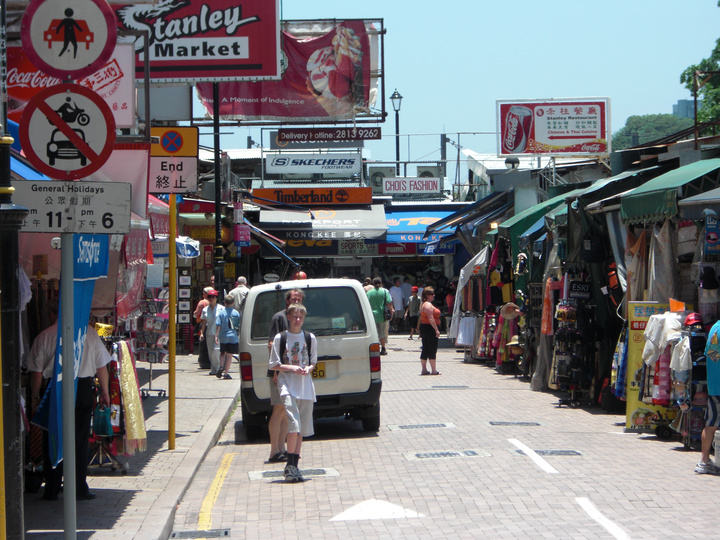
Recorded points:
(253, 423)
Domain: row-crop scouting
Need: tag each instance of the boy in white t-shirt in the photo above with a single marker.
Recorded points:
(295, 363)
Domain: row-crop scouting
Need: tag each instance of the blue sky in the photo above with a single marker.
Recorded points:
(452, 60)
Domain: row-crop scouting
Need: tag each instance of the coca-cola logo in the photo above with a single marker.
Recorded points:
(590, 147)
(30, 79)
(511, 125)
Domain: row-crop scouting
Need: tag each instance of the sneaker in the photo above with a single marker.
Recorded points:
(706, 468)
(292, 474)
(227, 376)
(383, 352)
(219, 373)
(280, 457)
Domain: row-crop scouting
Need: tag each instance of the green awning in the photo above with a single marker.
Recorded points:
(657, 199)
(512, 228)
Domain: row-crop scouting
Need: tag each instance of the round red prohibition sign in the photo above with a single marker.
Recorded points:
(67, 131)
(70, 39)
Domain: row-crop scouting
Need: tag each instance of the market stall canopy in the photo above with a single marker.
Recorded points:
(625, 181)
(657, 199)
(516, 225)
(693, 207)
(411, 225)
(326, 223)
(486, 209)
(476, 266)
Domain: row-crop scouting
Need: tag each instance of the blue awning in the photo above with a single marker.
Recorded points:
(411, 225)
(21, 170)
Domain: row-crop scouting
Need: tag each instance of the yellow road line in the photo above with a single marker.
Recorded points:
(205, 518)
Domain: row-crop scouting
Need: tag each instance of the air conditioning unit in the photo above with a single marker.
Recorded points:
(432, 171)
(376, 175)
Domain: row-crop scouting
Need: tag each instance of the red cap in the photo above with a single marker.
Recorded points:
(212, 292)
(414, 289)
(693, 318)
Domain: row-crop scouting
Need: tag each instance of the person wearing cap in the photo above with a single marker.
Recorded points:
(226, 336)
(209, 323)
(712, 412)
(412, 311)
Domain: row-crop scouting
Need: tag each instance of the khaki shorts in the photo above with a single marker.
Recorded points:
(382, 329)
(300, 415)
(275, 398)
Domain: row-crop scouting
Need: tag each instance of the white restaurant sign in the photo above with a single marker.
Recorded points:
(554, 126)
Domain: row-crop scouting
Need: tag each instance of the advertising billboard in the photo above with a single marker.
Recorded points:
(575, 127)
(330, 73)
(309, 164)
(226, 40)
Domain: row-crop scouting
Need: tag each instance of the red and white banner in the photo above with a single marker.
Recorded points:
(114, 83)
(569, 127)
(222, 40)
(325, 77)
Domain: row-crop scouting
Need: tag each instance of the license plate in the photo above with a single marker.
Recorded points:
(319, 371)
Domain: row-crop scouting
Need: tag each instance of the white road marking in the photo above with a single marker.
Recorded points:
(374, 509)
(595, 514)
(539, 461)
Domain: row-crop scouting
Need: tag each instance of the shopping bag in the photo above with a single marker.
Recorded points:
(102, 421)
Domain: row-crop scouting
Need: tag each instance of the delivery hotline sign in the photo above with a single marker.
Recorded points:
(557, 127)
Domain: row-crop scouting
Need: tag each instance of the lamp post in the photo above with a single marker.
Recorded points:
(396, 100)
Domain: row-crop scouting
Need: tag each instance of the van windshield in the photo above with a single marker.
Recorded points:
(330, 311)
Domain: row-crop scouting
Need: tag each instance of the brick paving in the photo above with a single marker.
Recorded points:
(379, 487)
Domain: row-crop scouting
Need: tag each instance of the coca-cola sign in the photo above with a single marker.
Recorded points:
(557, 127)
(113, 82)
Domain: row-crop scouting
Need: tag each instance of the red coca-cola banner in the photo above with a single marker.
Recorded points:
(325, 77)
(562, 127)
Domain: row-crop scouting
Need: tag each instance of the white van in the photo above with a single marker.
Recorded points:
(347, 378)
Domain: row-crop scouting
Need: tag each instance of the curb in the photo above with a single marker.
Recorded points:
(163, 509)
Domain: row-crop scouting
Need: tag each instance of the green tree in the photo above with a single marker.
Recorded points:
(646, 128)
(708, 84)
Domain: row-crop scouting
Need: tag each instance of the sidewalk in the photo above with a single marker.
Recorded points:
(141, 501)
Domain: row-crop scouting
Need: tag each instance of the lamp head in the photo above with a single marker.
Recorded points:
(512, 163)
(396, 100)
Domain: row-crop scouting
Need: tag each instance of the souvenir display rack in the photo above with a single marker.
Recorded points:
(152, 332)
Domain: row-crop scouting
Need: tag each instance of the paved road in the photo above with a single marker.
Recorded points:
(449, 462)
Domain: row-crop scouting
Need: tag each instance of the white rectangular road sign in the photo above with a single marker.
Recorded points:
(74, 207)
(173, 174)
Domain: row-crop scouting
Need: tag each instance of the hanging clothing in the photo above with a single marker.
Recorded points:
(661, 261)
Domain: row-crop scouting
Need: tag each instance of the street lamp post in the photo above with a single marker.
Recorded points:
(396, 100)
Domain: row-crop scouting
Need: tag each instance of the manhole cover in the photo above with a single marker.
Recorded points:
(307, 473)
(445, 454)
(554, 452)
(424, 426)
(498, 423)
(212, 533)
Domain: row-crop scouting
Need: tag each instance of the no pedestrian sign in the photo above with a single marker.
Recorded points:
(70, 39)
(75, 207)
(67, 131)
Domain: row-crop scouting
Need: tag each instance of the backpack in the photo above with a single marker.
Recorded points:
(283, 344)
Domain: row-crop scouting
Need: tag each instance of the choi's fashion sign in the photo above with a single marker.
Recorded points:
(222, 40)
(557, 127)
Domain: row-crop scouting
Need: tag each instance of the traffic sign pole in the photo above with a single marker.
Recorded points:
(11, 218)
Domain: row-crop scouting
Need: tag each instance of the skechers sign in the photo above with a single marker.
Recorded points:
(313, 164)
